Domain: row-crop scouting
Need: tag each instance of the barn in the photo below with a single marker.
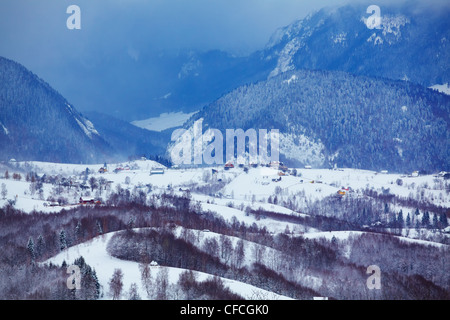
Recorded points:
(156, 171)
(228, 166)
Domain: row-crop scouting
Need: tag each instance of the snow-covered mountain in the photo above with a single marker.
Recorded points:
(354, 124)
(39, 124)
(444, 88)
(328, 118)
(410, 42)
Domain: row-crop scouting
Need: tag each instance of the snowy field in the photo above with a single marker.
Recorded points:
(251, 189)
(233, 193)
(95, 254)
(164, 121)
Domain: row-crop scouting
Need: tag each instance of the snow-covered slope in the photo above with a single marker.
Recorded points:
(95, 254)
(250, 188)
(326, 118)
(37, 123)
(444, 88)
(255, 198)
(231, 192)
(164, 121)
(346, 38)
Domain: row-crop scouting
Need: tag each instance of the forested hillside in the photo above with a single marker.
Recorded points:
(359, 122)
(129, 141)
(37, 123)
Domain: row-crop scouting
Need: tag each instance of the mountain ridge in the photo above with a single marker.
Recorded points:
(357, 121)
(39, 124)
(408, 44)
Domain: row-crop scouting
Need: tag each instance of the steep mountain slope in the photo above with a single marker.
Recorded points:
(37, 123)
(411, 42)
(128, 140)
(332, 117)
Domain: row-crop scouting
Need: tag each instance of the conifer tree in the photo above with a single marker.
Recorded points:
(99, 227)
(30, 248)
(400, 220)
(97, 284)
(78, 231)
(62, 240)
(435, 221)
(40, 246)
(443, 220)
(417, 224)
(408, 221)
(426, 219)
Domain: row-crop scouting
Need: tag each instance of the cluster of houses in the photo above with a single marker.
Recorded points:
(343, 191)
(273, 164)
(102, 170)
(127, 168)
(116, 170)
(228, 166)
(443, 174)
(85, 201)
(82, 201)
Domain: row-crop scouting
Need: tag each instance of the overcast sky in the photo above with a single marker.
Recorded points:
(115, 32)
(35, 33)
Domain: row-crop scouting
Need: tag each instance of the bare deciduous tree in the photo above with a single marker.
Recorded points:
(226, 248)
(133, 293)
(239, 253)
(4, 191)
(258, 252)
(162, 284)
(211, 246)
(146, 278)
(116, 284)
